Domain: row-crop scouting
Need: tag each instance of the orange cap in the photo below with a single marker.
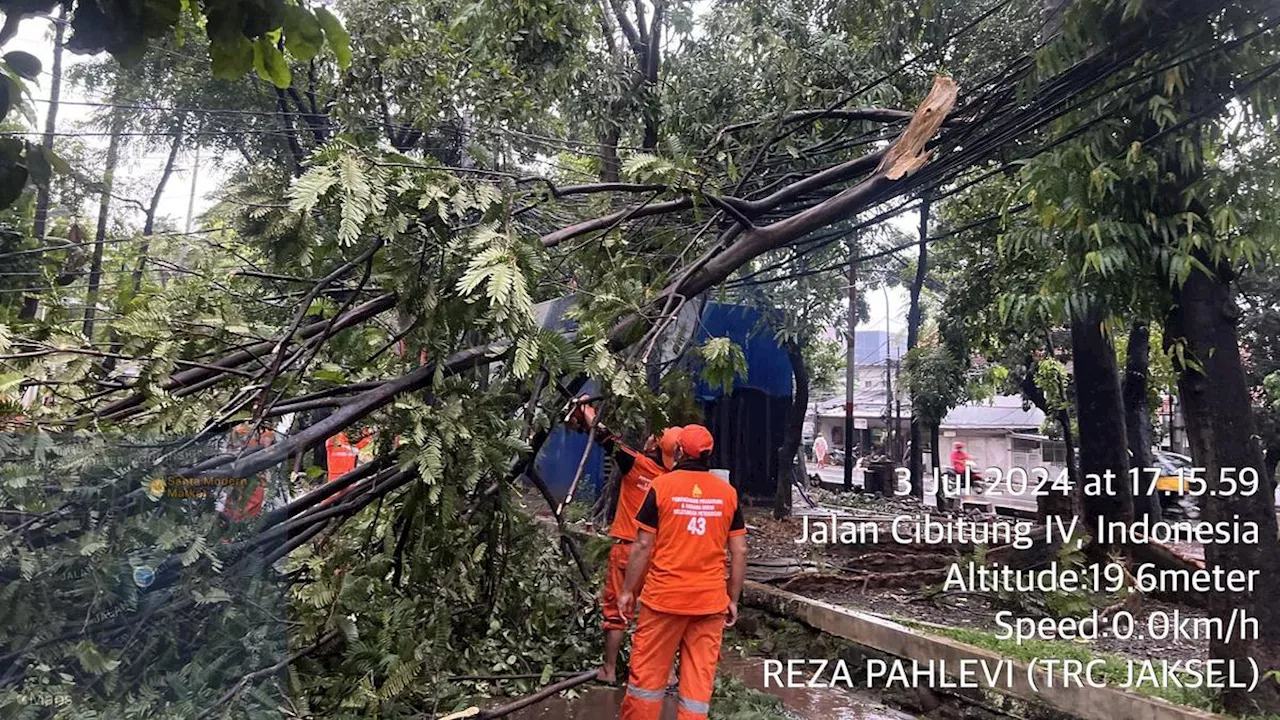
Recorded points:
(695, 441)
(667, 444)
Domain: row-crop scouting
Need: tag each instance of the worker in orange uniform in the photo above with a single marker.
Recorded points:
(240, 503)
(636, 471)
(685, 522)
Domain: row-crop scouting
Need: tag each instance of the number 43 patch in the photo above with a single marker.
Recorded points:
(697, 526)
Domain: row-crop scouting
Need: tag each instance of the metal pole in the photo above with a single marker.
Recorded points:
(851, 360)
(888, 379)
(897, 412)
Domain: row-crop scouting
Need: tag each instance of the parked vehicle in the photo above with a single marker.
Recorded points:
(1175, 502)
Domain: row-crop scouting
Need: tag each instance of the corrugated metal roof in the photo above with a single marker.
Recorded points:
(1004, 411)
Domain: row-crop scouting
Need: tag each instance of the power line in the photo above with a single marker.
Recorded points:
(178, 109)
(141, 133)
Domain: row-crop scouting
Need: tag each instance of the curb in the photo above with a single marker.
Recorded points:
(1087, 703)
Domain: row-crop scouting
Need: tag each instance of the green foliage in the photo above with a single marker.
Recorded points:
(722, 363)
(448, 575)
(20, 160)
(242, 33)
(304, 34)
(339, 40)
(732, 699)
(270, 64)
(1052, 378)
(936, 380)
(825, 360)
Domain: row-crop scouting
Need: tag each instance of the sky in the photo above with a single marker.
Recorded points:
(135, 177)
(35, 36)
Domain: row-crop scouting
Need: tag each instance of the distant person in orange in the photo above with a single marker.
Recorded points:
(636, 471)
(240, 503)
(341, 457)
(687, 519)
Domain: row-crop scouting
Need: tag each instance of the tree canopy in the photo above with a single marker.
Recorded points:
(409, 180)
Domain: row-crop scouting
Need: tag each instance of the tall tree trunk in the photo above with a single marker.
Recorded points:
(1217, 408)
(1069, 505)
(100, 235)
(149, 225)
(935, 461)
(39, 226)
(290, 133)
(793, 434)
(148, 229)
(851, 368)
(916, 463)
(1100, 412)
(1137, 418)
(610, 165)
(1054, 504)
(651, 65)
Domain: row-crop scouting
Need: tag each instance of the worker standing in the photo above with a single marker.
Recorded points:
(636, 471)
(687, 519)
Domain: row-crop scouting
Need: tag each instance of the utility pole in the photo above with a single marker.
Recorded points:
(851, 360)
(897, 413)
(889, 449)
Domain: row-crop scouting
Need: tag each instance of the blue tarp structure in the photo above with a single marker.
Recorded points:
(768, 369)
(747, 425)
(558, 461)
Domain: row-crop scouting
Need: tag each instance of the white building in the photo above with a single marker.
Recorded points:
(998, 433)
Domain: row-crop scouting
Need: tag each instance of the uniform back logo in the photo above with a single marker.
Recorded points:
(697, 491)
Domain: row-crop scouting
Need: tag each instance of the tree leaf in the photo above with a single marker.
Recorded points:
(270, 63)
(24, 64)
(233, 59)
(13, 178)
(55, 161)
(303, 35)
(339, 40)
(38, 166)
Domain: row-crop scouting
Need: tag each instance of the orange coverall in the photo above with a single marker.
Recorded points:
(240, 504)
(633, 486)
(639, 470)
(692, 514)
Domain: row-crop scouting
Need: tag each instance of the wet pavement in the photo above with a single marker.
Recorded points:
(814, 703)
(601, 703)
